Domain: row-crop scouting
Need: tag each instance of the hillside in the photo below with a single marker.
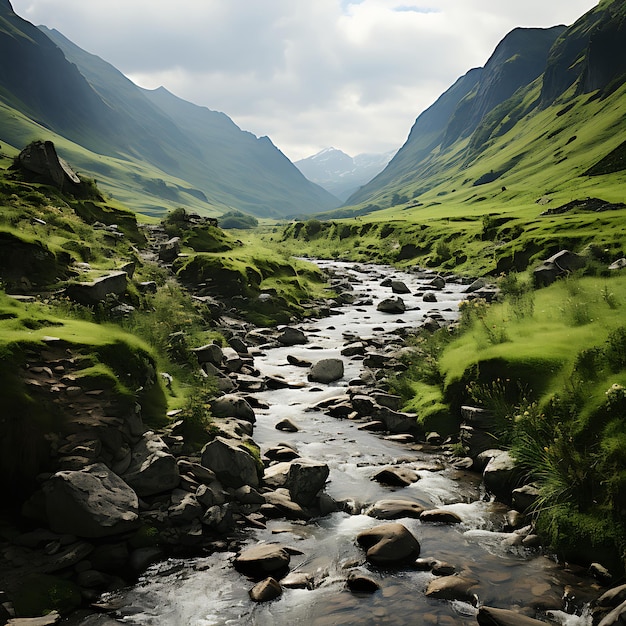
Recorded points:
(150, 150)
(540, 115)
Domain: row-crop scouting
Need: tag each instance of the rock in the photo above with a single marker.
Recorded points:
(560, 264)
(437, 283)
(488, 616)
(326, 371)
(617, 617)
(152, 468)
(238, 346)
(501, 476)
(263, 560)
(291, 337)
(184, 508)
(40, 157)
(600, 573)
(396, 477)
(612, 597)
(397, 286)
(358, 583)
(248, 495)
(233, 406)
(148, 286)
(391, 305)
(97, 290)
(395, 509)
(210, 353)
(278, 503)
(389, 544)
(141, 558)
(169, 250)
(266, 590)
(440, 516)
(93, 502)
(452, 588)
(45, 620)
(297, 580)
(296, 362)
(287, 426)
(429, 296)
(276, 475)
(306, 479)
(620, 264)
(233, 465)
(525, 497)
(219, 517)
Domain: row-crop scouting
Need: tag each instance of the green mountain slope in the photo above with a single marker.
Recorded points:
(505, 147)
(152, 151)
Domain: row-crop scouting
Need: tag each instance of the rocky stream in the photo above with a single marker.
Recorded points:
(382, 528)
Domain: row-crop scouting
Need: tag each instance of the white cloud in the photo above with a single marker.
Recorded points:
(349, 73)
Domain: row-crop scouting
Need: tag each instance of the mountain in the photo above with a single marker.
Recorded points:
(150, 149)
(341, 174)
(542, 112)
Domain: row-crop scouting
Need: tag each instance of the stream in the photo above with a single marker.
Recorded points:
(208, 591)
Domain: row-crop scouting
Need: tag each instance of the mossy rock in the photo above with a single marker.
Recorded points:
(42, 594)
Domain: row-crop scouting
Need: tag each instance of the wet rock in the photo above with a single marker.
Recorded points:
(292, 337)
(326, 371)
(391, 305)
(440, 516)
(278, 503)
(617, 617)
(429, 296)
(93, 502)
(297, 362)
(276, 475)
(297, 580)
(219, 517)
(600, 573)
(525, 497)
(395, 509)
(396, 477)
(488, 616)
(389, 544)
(359, 583)
(612, 597)
(287, 426)
(452, 588)
(306, 479)
(266, 590)
(152, 468)
(233, 406)
(501, 476)
(354, 349)
(397, 286)
(438, 282)
(263, 560)
(233, 464)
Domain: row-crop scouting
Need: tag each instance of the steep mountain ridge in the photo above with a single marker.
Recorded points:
(151, 151)
(518, 59)
(339, 173)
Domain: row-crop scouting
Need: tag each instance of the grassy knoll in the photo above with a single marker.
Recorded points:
(551, 366)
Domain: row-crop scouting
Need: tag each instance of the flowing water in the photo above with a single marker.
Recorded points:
(209, 592)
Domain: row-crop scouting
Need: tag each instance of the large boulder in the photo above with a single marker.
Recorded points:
(502, 476)
(306, 479)
(152, 468)
(389, 544)
(291, 337)
(97, 290)
(617, 617)
(326, 371)
(169, 250)
(395, 509)
(233, 464)
(93, 502)
(560, 264)
(210, 353)
(40, 157)
(397, 286)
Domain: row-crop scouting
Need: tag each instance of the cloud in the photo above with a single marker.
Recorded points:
(349, 73)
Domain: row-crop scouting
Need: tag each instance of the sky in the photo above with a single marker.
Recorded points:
(310, 74)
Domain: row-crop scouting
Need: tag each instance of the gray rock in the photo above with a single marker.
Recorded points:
(210, 353)
(169, 250)
(93, 502)
(396, 476)
(560, 264)
(391, 305)
(292, 337)
(233, 406)
(266, 590)
(41, 158)
(233, 465)
(184, 508)
(219, 518)
(397, 286)
(525, 497)
(620, 264)
(152, 469)
(306, 479)
(389, 544)
(440, 516)
(97, 290)
(326, 371)
(287, 426)
(501, 476)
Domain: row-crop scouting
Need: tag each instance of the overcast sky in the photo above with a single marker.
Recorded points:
(353, 74)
